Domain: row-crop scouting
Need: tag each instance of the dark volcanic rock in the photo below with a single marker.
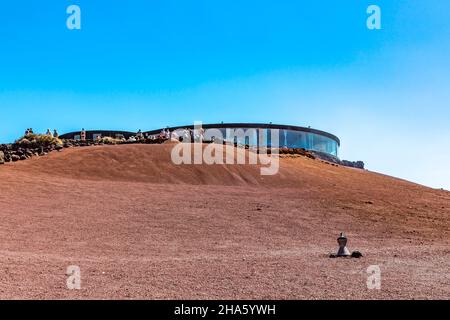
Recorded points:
(357, 254)
(28, 153)
(329, 158)
(353, 164)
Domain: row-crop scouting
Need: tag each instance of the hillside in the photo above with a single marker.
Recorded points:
(141, 227)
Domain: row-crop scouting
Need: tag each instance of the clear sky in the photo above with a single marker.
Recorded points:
(151, 63)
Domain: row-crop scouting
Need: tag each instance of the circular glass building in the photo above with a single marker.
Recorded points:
(288, 136)
(251, 134)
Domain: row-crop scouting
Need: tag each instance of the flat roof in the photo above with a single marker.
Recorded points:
(253, 125)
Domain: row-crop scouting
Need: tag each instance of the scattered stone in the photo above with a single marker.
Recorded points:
(356, 254)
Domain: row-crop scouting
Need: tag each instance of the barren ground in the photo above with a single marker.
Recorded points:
(140, 227)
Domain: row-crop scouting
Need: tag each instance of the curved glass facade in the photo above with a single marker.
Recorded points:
(309, 141)
(286, 138)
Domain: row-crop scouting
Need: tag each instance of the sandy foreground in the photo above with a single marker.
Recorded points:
(139, 226)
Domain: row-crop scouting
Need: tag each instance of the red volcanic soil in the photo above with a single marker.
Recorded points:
(139, 226)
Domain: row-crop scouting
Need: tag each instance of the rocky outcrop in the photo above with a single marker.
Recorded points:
(14, 152)
(322, 156)
(27, 147)
(353, 164)
(297, 151)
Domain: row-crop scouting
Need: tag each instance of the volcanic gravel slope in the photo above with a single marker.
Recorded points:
(139, 226)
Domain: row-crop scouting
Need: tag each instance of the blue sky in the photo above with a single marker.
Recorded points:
(148, 64)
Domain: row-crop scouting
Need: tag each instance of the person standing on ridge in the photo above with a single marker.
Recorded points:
(83, 135)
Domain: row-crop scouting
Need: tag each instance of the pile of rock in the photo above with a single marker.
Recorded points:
(329, 158)
(29, 146)
(322, 156)
(297, 151)
(80, 143)
(16, 152)
(108, 140)
(353, 164)
(157, 140)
